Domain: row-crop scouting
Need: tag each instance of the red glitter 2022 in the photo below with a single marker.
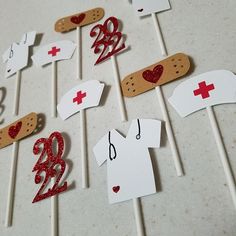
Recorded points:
(51, 163)
(109, 39)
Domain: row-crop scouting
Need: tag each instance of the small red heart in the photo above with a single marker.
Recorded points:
(153, 76)
(116, 189)
(77, 19)
(14, 130)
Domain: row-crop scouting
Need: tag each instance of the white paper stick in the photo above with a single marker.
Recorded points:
(79, 54)
(11, 186)
(17, 93)
(84, 160)
(54, 213)
(169, 132)
(223, 155)
(118, 88)
(159, 34)
(138, 217)
(54, 89)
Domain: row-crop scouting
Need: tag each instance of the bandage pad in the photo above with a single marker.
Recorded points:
(157, 74)
(18, 130)
(80, 19)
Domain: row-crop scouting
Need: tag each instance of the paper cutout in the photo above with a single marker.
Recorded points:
(129, 167)
(60, 50)
(80, 19)
(84, 95)
(146, 7)
(157, 74)
(2, 106)
(49, 165)
(18, 130)
(109, 40)
(17, 55)
(204, 90)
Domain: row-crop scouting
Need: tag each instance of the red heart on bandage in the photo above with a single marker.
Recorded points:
(153, 76)
(116, 189)
(77, 19)
(14, 130)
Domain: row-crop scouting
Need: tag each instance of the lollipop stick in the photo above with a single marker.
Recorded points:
(54, 89)
(138, 217)
(223, 155)
(79, 54)
(11, 187)
(159, 34)
(84, 160)
(169, 132)
(54, 213)
(118, 89)
(17, 93)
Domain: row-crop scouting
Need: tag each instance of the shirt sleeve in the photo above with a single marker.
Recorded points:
(146, 132)
(6, 54)
(101, 150)
(28, 38)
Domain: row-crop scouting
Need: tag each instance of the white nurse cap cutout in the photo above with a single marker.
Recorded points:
(146, 7)
(17, 55)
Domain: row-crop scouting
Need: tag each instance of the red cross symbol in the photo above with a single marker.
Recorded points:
(203, 89)
(54, 51)
(79, 97)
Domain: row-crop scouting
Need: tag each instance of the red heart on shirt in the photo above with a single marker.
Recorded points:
(77, 19)
(14, 130)
(116, 189)
(153, 76)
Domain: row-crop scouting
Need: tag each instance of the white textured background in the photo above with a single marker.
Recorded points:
(196, 204)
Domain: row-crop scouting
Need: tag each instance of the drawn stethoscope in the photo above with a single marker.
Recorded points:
(11, 50)
(112, 149)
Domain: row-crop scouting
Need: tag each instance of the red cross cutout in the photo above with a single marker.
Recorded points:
(54, 51)
(79, 97)
(203, 89)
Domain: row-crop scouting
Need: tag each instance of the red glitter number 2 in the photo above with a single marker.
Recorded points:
(50, 163)
(108, 39)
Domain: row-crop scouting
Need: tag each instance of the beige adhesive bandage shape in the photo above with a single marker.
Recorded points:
(18, 130)
(80, 19)
(157, 74)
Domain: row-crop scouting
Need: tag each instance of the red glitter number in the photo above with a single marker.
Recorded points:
(49, 163)
(108, 39)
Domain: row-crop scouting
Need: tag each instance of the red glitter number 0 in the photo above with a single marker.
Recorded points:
(49, 163)
(108, 39)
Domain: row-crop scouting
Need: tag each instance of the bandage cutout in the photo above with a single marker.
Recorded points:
(18, 130)
(157, 74)
(80, 19)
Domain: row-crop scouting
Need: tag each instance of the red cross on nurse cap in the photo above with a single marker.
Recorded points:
(60, 50)
(204, 90)
(82, 96)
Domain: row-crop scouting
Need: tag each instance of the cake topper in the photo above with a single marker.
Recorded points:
(17, 58)
(50, 169)
(109, 41)
(147, 7)
(78, 99)
(12, 134)
(51, 53)
(76, 21)
(205, 91)
(129, 167)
